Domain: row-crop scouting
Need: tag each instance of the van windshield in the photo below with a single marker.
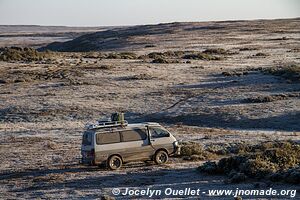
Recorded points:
(158, 132)
(87, 138)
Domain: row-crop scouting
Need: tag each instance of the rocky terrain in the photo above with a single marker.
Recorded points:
(220, 87)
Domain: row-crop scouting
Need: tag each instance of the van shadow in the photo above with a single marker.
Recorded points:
(44, 172)
(71, 168)
(141, 178)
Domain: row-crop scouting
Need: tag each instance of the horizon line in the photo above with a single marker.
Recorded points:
(126, 25)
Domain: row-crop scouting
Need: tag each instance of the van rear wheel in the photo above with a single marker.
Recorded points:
(114, 162)
(161, 157)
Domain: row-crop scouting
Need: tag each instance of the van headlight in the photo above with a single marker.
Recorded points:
(176, 144)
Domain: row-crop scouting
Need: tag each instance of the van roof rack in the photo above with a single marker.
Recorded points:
(151, 123)
(107, 124)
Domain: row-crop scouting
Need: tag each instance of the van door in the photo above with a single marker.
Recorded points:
(135, 144)
(161, 138)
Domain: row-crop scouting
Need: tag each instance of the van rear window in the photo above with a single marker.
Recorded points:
(87, 138)
(108, 138)
(134, 135)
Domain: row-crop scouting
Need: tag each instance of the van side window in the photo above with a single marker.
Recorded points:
(158, 133)
(134, 135)
(108, 138)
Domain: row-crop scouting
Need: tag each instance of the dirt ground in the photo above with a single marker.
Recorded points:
(44, 106)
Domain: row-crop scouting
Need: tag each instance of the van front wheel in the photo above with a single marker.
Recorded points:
(114, 162)
(161, 157)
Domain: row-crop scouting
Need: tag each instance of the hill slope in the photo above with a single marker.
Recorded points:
(173, 35)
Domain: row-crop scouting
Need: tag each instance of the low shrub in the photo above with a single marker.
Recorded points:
(265, 99)
(216, 51)
(159, 56)
(248, 48)
(93, 55)
(294, 50)
(268, 160)
(201, 56)
(167, 54)
(160, 60)
(270, 98)
(150, 46)
(155, 55)
(23, 54)
(195, 151)
(106, 67)
(260, 54)
(290, 72)
(143, 76)
(121, 55)
(235, 73)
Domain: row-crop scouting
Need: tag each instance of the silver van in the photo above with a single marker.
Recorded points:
(116, 143)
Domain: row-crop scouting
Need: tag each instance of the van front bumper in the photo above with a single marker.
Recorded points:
(177, 151)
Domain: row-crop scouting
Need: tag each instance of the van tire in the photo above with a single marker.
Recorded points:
(114, 162)
(161, 157)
